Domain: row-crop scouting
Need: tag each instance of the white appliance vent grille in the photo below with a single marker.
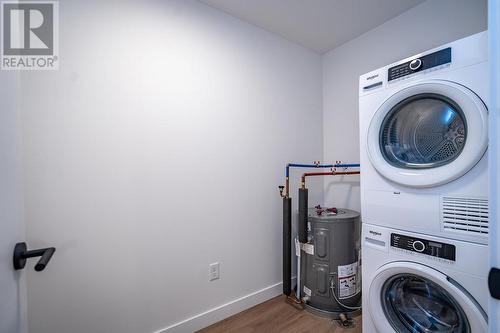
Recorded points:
(465, 215)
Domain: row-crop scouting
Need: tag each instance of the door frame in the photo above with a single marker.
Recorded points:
(494, 151)
(13, 303)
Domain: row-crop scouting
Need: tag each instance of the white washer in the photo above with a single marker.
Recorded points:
(423, 138)
(414, 283)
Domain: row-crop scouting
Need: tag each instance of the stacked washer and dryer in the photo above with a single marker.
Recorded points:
(424, 186)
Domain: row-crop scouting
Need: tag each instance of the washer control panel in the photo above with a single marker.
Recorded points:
(424, 246)
(419, 64)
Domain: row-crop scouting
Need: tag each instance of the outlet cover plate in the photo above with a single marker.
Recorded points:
(214, 271)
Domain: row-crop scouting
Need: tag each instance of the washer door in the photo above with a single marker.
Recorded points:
(407, 297)
(428, 134)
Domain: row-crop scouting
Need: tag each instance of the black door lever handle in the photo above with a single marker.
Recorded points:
(21, 253)
(494, 282)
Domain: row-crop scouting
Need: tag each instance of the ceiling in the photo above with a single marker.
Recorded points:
(320, 25)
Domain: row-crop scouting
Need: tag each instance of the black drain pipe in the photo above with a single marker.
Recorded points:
(287, 246)
(303, 203)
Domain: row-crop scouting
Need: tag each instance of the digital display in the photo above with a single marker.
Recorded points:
(435, 245)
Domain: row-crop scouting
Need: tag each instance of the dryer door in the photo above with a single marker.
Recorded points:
(407, 297)
(428, 134)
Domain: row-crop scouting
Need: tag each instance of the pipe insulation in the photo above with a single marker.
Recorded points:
(303, 205)
(287, 246)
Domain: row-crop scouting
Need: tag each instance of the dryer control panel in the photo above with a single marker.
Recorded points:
(424, 246)
(420, 64)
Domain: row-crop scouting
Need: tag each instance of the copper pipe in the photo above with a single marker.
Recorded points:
(331, 173)
(294, 301)
(316, 164)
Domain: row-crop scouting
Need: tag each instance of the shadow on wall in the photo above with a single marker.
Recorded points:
(347, 187)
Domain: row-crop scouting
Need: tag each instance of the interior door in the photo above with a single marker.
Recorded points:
(494, 159)
(12, 283)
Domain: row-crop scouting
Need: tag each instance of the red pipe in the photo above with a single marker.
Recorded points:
(331, 173)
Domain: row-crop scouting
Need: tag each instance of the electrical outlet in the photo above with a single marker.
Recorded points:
(214, 271)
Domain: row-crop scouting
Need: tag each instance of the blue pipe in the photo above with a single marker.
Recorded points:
(298, 165)
(295, 165)
(346, 165)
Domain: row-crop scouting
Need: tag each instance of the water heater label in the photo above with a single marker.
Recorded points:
(348, 280)
(307, 291)
(308, 248)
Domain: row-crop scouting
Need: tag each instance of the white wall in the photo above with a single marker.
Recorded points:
(156, 149)
(423, 27)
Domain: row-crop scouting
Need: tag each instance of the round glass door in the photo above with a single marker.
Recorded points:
(414, 304)
(428, 134)
(423, 131)
(407, 297)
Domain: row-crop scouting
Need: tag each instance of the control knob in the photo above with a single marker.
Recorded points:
(415, 64)
(418, 246)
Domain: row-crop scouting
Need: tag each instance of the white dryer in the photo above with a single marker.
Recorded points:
(423, 138)
(413, 283)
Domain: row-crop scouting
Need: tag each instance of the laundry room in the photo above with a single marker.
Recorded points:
(172, 166)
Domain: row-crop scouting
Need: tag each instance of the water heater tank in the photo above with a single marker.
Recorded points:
(331, 262)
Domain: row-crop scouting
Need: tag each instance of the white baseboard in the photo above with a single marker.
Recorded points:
(223, 311)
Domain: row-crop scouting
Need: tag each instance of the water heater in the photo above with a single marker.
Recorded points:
(330, 262)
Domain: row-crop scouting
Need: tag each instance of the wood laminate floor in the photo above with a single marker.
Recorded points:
(276, 315)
